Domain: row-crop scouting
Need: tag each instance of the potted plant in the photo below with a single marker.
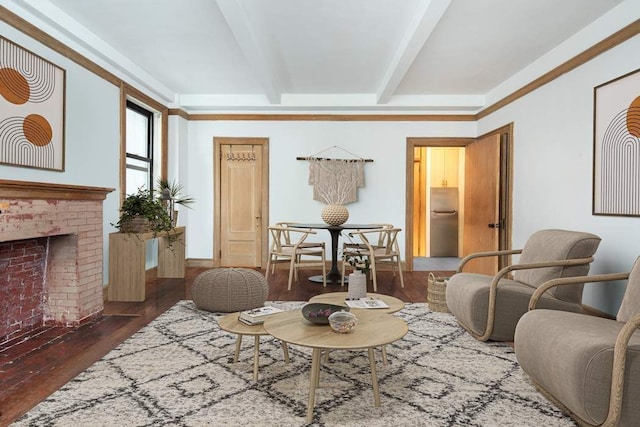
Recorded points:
(358, 261)
(140, 213)
(172, 191)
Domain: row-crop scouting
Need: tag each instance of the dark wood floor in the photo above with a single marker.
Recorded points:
(33, 367)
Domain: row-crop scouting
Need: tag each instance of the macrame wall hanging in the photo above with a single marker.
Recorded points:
(335, 182)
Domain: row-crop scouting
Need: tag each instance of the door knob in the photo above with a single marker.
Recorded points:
(495, 225)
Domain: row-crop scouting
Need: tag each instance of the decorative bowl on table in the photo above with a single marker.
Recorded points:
(343, 322)
(319, 313)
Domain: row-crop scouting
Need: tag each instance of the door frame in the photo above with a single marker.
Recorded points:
(218, 141)
(506, 182)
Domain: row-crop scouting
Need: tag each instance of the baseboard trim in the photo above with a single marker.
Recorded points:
(202, 263)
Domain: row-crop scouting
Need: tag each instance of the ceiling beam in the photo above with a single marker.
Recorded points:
(414, 38)
(263, 57)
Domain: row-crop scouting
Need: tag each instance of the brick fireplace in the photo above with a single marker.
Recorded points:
(50, 255)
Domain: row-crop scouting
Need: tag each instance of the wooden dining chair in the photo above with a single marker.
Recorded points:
(285, 248)
(287, 240)
(379, 241)
(386, 251)
(287, 236)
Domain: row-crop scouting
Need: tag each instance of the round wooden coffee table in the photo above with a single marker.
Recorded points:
(231, 323)
(338, 298)
(374, 329)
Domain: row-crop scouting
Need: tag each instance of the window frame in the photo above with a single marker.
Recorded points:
(149, 159)
(128, 92)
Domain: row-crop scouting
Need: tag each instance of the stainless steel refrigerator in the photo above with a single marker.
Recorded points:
(444, 222)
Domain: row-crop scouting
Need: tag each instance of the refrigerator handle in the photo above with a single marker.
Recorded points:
(444, 212)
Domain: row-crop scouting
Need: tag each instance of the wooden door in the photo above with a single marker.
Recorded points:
(420, 202)
(241, 205)
(482, 203)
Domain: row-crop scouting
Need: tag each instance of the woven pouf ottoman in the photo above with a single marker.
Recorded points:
(229, 289)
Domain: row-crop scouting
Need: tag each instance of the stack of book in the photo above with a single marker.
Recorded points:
(257, 315)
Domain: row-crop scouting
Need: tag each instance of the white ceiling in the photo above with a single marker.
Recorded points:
(293, 55)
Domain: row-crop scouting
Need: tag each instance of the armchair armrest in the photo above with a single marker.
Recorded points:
(617, 375)
(493, 289)
(535, 297)
(486, 254)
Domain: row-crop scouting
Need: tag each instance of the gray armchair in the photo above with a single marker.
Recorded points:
(489, 307)
(588, 365)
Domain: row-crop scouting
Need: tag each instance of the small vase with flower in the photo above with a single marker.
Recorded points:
(358, 279)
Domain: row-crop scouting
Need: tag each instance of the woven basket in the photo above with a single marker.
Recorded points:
(436, 293)
(136, 224)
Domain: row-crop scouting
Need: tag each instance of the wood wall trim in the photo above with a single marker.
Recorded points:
(612, 41)
(143, 97)
(438, 142)
(179, 112)
(164, 149)
(338, 117)
(42, 190)
(122, 182)
(37, 34)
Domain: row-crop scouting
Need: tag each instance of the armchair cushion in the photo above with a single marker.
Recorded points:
(570, 356)
(545, 245)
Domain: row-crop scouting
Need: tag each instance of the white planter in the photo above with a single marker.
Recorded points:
(357, 285)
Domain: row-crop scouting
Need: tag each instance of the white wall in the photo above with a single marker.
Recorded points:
(553, 144)
(291, 198)
(92, 132)
(552, 159)
(553, 155)
(178, 166)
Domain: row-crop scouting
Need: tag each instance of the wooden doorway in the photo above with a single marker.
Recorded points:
(501, 176)
(241, 177)
(485, 224)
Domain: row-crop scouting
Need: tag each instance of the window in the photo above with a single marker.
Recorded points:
(139, 162)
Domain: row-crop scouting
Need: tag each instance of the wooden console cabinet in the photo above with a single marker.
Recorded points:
(127, 262)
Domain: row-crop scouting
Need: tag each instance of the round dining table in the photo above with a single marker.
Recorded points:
(334, 276)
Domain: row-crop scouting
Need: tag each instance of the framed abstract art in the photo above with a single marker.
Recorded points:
(616, 146)
(32, 96)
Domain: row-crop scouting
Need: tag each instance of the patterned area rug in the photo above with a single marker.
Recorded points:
(178, 371)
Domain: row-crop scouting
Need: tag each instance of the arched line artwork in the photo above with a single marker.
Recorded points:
(616, 153)
(32, 95)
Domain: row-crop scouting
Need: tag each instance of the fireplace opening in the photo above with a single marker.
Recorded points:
(22, 272)
(32, 273)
